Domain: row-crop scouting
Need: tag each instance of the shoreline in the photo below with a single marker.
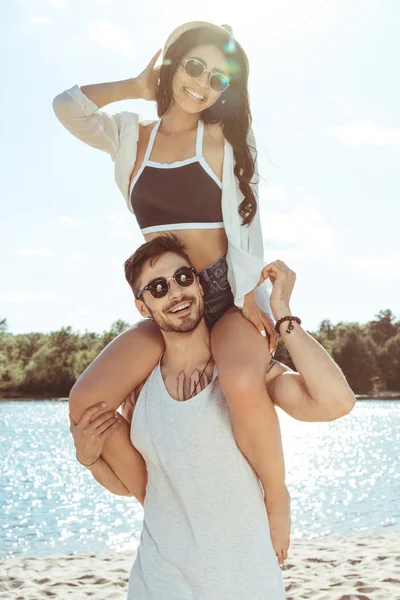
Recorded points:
(324, 568)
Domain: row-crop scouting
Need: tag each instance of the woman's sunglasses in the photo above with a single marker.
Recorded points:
(158, 288)
(195, 69)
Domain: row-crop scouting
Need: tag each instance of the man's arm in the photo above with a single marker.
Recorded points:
(289, 390)
(318, 391)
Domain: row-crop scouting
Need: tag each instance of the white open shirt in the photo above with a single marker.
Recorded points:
(118, 135)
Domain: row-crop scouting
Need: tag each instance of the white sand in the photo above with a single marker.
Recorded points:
(329, 568)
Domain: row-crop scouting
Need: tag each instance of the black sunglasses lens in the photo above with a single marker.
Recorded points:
(184, 277)
(194, 68)
(158, 288)
(218, 82)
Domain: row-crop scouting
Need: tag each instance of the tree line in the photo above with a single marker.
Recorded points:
(48, 364)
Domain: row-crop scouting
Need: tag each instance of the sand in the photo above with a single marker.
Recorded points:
(328, 568)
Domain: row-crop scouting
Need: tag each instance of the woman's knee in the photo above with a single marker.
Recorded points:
(243, 386)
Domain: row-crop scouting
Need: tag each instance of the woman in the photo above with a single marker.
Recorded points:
(191, 173)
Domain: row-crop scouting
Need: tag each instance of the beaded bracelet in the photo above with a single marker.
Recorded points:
(290, 326)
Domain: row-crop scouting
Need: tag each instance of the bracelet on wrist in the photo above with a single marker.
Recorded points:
(87, 466)
(290, 326)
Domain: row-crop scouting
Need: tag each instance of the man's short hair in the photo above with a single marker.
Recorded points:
(151, 252)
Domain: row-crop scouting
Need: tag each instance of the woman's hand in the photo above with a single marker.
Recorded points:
(283, 280)
(95, 426)
(149, 78)
(261, 321)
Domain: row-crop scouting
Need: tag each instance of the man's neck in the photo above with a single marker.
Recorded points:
(186, 351)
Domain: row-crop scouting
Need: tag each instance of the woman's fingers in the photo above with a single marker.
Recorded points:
(259, 325)
(153, 61)
(268, 325)
(273, 336)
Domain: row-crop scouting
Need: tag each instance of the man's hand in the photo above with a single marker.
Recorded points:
(283, 280)
(95, 426)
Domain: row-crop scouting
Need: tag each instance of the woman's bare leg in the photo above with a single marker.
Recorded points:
(242, 358)
(121, 367)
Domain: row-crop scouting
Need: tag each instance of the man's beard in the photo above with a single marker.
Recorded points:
(187, 323)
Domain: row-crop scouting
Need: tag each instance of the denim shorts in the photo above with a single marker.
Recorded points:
(218, 295)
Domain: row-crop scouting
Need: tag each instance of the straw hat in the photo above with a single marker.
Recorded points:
(193, 25)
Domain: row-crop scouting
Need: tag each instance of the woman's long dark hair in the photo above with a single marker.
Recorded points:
(232, 109)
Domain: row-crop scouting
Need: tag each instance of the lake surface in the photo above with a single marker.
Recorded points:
(344, 478)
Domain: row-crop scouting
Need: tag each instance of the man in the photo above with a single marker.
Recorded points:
(205, 532)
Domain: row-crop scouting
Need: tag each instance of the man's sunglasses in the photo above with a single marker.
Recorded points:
(158, 288)
(195, 69)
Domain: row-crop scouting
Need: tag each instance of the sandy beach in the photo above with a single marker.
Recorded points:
(329, 568)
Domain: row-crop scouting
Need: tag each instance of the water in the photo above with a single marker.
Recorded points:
(344, 478)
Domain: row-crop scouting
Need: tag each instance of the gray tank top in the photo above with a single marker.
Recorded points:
(205, 532)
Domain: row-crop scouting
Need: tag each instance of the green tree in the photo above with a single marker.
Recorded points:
(383, 328)
(355, 353)
(389, 363)
(117, 327)
(53, 368)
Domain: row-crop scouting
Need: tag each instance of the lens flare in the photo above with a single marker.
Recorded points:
(233, 66)
(230, 46)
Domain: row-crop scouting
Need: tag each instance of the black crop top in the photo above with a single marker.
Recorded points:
(180, 195)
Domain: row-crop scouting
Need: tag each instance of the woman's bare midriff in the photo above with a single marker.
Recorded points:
(204, 246)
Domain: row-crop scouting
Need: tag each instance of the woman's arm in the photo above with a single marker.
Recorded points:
(107, 478)
(78, 108)
(106, 93)
(144, 86)
(124, 473)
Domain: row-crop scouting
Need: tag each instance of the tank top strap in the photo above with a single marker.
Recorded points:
(199, 139)
(151, 141)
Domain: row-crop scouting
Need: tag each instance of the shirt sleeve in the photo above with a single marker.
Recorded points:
(83, 118)
(246, 262)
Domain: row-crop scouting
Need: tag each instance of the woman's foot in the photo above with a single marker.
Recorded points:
(278, 509)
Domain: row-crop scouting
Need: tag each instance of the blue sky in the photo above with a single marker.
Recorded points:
(325, 96)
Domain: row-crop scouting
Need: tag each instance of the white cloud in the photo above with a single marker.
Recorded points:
(38, 252)
(298, 234)
(123, 226)
(376, 267)
(66, 221)
(365, 134)
(111, 38)
(57, 3)
(271, 192)
(292, 138)
(27, 298)
(40, 20)
(47, 253)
